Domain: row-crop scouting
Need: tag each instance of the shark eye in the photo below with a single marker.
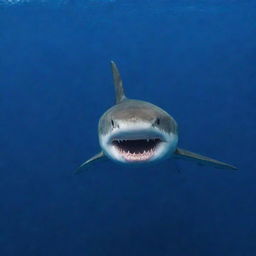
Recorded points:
(112, 122)
(158, 121)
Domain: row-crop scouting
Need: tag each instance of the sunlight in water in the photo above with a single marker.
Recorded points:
(12, 2)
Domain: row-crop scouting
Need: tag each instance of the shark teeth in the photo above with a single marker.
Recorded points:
(137, 157)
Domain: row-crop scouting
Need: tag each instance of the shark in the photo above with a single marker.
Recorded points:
(135, 132)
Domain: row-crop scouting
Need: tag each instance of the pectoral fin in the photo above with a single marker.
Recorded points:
(96, 157)
(182, 153)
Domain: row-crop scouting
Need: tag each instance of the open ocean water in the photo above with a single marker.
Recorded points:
(195, 59)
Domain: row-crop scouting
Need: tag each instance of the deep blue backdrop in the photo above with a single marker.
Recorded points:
(196, 59)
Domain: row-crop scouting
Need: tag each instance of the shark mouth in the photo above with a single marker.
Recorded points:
(136, 150)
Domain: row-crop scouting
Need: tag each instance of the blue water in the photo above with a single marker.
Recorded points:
(196, 59)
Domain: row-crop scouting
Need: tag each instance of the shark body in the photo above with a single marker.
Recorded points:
(136, 132)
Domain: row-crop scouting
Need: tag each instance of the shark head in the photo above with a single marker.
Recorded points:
(137, 132)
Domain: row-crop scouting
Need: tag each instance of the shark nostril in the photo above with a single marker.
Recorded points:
(156, 122)
(114, 124)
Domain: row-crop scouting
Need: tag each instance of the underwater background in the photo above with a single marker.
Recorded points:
(195, 59)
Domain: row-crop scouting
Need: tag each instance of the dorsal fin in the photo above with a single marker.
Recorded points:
(119, 90)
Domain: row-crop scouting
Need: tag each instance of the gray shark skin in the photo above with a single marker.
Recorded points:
(135, 132)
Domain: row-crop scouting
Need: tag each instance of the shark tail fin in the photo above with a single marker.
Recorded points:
(82, 167)
(119, 90)
(203, 160)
